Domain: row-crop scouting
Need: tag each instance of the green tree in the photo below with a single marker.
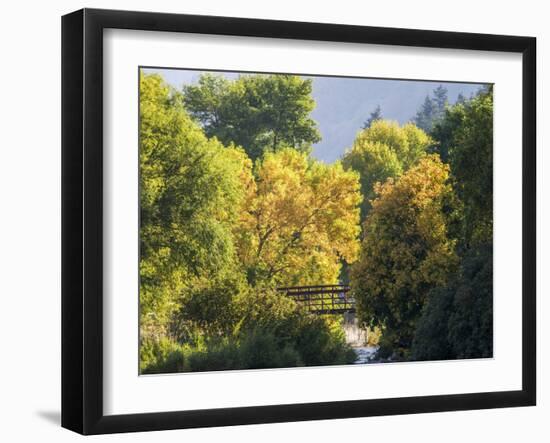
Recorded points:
(465, 139)
(432, 109)
(405, 251)
(471, 160)
(384, 150)
(457, 320)
(441, 100)
(258, 112)
(191, 191)
(374, 116)
(425, 115)
(445, 129)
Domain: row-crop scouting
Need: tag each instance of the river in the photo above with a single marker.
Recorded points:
(365, 354)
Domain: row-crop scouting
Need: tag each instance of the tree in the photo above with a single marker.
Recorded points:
(374, 116)
(471, 319)
(405, 250)
(471, 160)
(425, 115)
(457, 320)
(432, 109)
(465, 139)
(191, 191)
(444, 130)
(258, 112)
(440, 100)
(384, 150)
(208, 221)
(301, 219)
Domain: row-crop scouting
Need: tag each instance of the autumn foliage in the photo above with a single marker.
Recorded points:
(301, 218)
(406, 250)
(233, 205)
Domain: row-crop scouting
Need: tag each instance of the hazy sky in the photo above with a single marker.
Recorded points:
(343, 104)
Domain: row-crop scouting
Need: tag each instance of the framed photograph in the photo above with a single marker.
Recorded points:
(269, 221)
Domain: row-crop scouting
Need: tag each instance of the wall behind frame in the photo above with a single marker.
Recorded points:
(30, 223)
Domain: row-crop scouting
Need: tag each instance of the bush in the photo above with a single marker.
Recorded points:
(220, 356)
(263, 350)
(321, 341)
(160, 356)
(209, 306)
(260, 329)
(318, 340)
(307, 341)
(263, 309)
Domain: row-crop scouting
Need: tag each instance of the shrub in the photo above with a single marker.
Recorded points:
(260, 329)
(301, 339)
(262, 350)
(158, 356)
(223, 355)
(209, 306)
(321, 341)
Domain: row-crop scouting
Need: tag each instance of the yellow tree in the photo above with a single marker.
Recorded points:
(301, 219)
(405, 251)
(384, 149)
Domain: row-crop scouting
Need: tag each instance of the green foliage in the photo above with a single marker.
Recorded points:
(259, 112)
(263, 350)
(317, 339)
(160, 355)
(465, 140)
(471, 160)
(263, 309)
(444, 130)
(457, 320)
(431, 340)
(440, 99)
(209, 306)
(321, 341)
(374, 116)
(191, 189)
(222, 226)
(300, 340)
(219, 356)
(384, 150)
(262, 329)
(432, 110)
(258, 350)
(405, 250)
(198, 312)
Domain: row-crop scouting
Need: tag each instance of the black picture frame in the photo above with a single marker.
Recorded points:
(82, 215)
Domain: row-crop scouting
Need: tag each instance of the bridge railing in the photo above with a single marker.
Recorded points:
(322, 299)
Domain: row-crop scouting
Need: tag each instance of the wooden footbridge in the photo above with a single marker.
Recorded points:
(322, 299)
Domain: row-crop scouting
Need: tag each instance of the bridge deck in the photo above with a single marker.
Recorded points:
(322, 299)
